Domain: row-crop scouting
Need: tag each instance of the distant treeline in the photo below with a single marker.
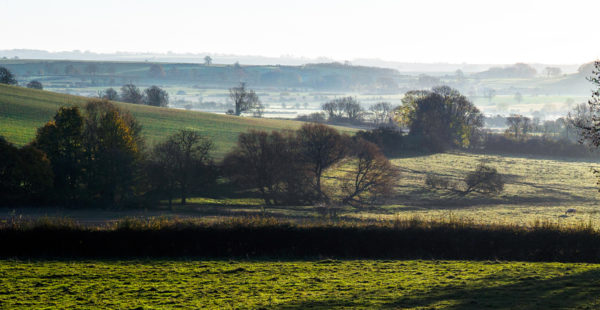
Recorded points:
(261, 238)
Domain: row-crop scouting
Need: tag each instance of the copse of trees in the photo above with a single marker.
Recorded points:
(153, 95)
(7, 77)
(292, 167)
(440, 119)
(94, 156)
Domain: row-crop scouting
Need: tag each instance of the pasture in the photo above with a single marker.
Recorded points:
(325, 284)
(537, 190)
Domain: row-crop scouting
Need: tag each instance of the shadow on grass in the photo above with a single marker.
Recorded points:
(575, 291)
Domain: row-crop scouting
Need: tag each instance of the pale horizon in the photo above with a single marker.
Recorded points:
(425, 32)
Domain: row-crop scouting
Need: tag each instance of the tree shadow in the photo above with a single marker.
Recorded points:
(574, 291)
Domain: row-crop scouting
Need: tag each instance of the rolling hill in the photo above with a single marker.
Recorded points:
(23, 110)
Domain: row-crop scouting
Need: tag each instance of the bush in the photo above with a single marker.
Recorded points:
(35, 85)
(485, 180)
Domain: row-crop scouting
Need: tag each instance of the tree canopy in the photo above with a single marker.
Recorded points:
(440, 118)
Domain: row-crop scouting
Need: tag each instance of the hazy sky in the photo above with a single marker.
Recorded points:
(413, 31)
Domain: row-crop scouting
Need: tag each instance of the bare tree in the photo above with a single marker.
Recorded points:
(518, 97)
(320, 146)
(382, 111)
(489, 93)
(131, 94)
(369, 177)
(552, 71)
(243, 98)
(518, 126)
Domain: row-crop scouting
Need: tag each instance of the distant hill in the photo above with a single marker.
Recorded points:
(320, 76)
(23, 110)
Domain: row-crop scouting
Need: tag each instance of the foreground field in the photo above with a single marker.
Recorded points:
(23, 110)
(328, 284)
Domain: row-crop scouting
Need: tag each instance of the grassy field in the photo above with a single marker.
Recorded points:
(23, 110)
(327, 284)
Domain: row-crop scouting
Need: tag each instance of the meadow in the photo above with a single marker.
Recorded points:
(321, 284)
(23, 110)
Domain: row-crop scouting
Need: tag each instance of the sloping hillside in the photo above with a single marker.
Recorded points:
(23, 110)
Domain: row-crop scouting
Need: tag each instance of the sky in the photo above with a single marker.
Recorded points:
(458, 31)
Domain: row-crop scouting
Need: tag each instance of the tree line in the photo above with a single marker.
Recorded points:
(96, 155)
(153, 95)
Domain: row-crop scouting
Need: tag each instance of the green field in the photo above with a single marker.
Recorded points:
(23, 110)
(328, 284)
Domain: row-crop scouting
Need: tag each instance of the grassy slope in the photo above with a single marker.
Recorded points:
(23, 110)
(299, 285)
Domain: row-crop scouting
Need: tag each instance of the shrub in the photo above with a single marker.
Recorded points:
(485, 180)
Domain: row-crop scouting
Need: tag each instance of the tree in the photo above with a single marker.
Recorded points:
(440, 118)
(25, 174)
(518, 97)
(156, 71)
(35, 85)
(62, 141)
(489, 93)
(580, 117)
(333, 109)
(590, 128)
(352, 108)
(269, 163)
(113, 148)
(6, 77)
(369, 177)
(552, 71)
(207, 60)
(382, 111)
(243, 99)
(484, 179)
(184, 159)
(320, 147)
(518, 126)
(155, 96)
(345, 107)
(131, 94)
(109, 94)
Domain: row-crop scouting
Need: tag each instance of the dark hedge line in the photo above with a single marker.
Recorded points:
(443, 241)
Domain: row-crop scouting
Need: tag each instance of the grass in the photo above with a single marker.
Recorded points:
(23, 110)
(326, 284)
